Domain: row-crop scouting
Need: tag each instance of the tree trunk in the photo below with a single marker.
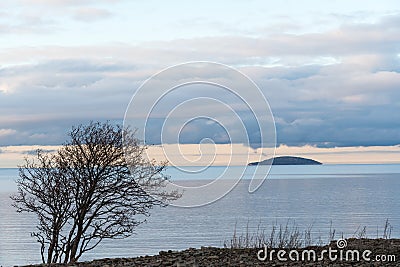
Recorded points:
(53, 242)
(75, 244)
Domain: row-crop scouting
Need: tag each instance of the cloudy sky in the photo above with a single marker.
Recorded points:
(329, 69)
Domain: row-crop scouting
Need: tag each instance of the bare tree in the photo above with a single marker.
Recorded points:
(89, 191)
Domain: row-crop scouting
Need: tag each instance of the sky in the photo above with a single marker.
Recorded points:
(330, 70)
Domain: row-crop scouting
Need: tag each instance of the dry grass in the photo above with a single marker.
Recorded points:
(289, 235)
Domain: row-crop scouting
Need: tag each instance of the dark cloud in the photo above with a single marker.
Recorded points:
(35, 151)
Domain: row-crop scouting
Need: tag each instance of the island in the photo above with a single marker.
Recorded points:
(286, 160)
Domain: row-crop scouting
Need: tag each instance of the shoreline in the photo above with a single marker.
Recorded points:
(213, 256)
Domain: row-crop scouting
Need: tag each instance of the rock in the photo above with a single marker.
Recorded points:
(211, 256)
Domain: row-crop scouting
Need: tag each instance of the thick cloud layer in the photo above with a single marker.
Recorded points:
(339, 87)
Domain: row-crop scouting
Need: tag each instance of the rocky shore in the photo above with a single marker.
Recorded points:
(388, 251)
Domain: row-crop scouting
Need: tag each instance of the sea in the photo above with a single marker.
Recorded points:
(347, 198)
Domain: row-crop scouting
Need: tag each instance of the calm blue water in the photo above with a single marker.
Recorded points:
(348, 195)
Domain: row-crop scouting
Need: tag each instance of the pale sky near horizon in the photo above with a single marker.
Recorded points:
(13, 156)
(329, 69)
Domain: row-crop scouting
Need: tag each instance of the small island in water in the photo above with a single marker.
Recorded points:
(286, 160)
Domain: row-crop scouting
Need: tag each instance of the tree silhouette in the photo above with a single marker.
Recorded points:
(97, 186)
